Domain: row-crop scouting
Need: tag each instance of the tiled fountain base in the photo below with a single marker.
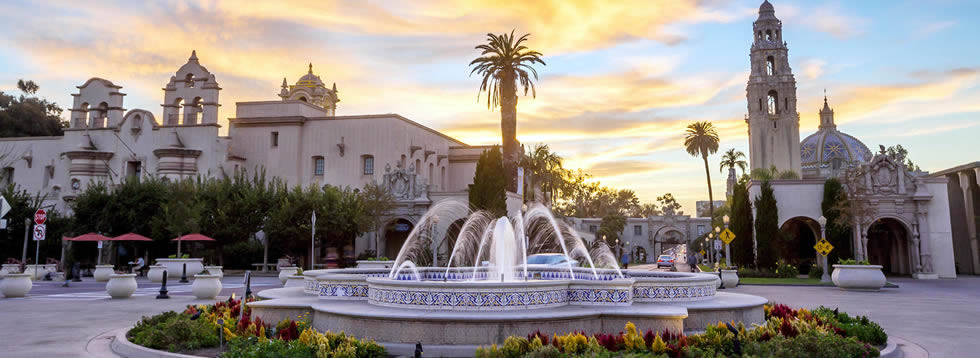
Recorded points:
(399, 327)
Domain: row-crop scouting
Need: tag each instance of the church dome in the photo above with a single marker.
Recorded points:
(766, 7)
(819, 150)
(310, 80)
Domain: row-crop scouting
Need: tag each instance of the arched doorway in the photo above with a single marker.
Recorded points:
(639, 255)
(668, 238)
(800, 234)
(445, 248)
(888, 246)
(395, 234)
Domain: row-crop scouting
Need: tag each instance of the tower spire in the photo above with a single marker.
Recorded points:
(311, 68)
(826, 114)
(193, 56)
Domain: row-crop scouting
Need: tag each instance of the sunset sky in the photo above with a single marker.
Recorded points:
(623, 78)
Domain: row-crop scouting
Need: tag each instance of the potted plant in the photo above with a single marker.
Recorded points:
(375, 263)
(215, 270)
(729, 275)
(102, 272)
(206, 285)
(285, 272)
(9, 269)
(155, 274)
(121, 285)
(857, 275)
(175, 265)
(16, 285)
(295, 280)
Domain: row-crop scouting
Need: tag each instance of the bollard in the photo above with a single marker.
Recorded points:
(736, 344)
(163, 287)
(183, 276)
(248, 284)
(76, 272)
(722, 287)
(418, 350)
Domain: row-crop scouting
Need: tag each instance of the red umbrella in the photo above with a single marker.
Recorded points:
(191, 237)
(88, 237)
(131, 237)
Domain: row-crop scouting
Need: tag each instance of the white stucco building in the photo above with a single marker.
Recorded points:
(905, 224)
(297, 137)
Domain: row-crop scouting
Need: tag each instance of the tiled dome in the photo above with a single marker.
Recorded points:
(819, 149)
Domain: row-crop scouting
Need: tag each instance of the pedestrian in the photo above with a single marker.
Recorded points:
(626, 260)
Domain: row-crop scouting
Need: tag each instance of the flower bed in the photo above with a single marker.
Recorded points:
(197, 329)
(786, 333)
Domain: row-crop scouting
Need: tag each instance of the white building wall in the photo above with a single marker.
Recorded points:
(940, 229)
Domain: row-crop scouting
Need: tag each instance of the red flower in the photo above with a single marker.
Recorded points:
(787, 329)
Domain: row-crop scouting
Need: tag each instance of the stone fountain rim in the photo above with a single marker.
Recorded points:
(468, 284)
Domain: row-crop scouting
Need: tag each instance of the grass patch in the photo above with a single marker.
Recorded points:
(705, 268)
(782, 281)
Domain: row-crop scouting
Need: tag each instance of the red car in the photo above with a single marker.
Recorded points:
(665, 260)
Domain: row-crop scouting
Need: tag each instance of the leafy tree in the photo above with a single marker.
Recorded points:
(701, 139)
(901, 153)
(22, 205)
(231, 208)
(544, 172)
(611, 228)
(505, 64)
(839, 235)
(669, 205)
(644, 210)
(767, 226)
(773, 173)
(487, 192)
(741, 225)
(378, 207)
(27, 116)
(181, 212)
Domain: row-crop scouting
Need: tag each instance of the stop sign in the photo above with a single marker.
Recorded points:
(40, 216)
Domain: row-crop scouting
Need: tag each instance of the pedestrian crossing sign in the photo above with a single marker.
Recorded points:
(823, 247)
(727, 236)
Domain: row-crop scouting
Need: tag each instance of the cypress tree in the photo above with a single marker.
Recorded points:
(741, 225)
(839, 234)
(489, 183)
(767, 226)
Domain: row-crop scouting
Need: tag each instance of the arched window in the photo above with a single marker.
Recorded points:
(191, 111)
(80, 120)
(302, 99)
(785, 103)
(773, 103)
(442, 178)
(174, 118)
(318, 164)
(97, 117)
(189, 80)
(760, 104)
(403, 163)
(770, 66)
(432, 172)
(418, 166)
(768, 35)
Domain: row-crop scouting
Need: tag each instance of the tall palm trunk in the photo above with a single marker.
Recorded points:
(508, 127)
(711, 199)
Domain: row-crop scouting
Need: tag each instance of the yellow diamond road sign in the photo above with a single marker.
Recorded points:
(823, 247)
(727, 236)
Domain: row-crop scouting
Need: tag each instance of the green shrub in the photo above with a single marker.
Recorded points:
(250, 348)
(852, 262)
(809, 344)
(786, 271)
(174, 332)
(861, 327)
(815, 272)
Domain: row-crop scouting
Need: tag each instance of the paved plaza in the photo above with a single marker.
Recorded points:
(62, 322)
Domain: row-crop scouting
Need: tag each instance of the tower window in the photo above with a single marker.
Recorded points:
(275, 139)
(760, 104)
(318, 165)
(773, 103)
(770, 66)
(189, 80)
(768, 35)
(785, 103)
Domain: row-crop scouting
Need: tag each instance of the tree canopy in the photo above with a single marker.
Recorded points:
(28, 116)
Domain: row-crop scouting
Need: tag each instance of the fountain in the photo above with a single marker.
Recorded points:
(486, 290)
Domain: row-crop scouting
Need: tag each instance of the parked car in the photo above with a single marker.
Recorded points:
(665, 260)
(551, 260)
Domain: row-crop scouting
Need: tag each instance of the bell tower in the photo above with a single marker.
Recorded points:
(774, 123)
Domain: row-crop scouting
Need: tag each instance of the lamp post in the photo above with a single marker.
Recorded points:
(711, 247)
(717, 237)
(823, 223)
(728, 251)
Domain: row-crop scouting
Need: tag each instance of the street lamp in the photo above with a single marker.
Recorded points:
(823, 223)
(711, 248)
(728, 251)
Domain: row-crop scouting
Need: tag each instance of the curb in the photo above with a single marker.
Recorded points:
(123, 347)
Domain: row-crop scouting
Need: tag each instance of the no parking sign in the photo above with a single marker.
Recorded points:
(39, 232)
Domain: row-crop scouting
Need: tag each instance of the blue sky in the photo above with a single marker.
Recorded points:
(623, 77)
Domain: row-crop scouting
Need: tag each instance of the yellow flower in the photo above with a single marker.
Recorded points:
(658, 346)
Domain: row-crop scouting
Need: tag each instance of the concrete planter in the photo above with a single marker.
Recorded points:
(155, 274)
(9, 269)
(215, 270)
(206, 286)
(176, 266)
(295, 281)
(121, 285)
(858, 277)
(37, 272)
(102, 273)
(285, 272)
(730, 278)
(16, 285)
(374, 264)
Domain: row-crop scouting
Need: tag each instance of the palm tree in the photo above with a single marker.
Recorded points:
(505, 64)
(544, 170)
(702, 139)
(733, 158)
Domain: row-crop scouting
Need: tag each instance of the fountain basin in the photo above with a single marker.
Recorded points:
(672, 286)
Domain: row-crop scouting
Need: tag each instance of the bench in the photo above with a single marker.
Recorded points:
(265, 267)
